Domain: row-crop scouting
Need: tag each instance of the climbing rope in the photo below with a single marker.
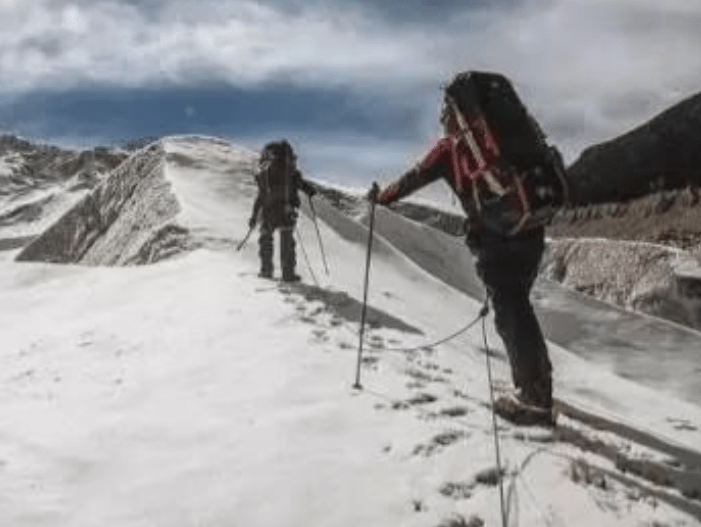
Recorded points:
(482, 313)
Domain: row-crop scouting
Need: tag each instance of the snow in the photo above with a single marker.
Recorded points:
(190, 393)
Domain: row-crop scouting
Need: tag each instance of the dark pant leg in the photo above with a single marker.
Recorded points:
(508, 268)
(288, 256)
(265, 246)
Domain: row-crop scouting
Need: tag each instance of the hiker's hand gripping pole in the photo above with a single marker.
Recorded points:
(374, 191)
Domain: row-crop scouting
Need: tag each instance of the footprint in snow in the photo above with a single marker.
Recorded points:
(431, 366)
(320, 335)
(460, 490)
(489, 477)
(439, 442)
(454, 411)
(376, 341)
(420, 399)
(458, 520)
(370, 362)
(421, 375)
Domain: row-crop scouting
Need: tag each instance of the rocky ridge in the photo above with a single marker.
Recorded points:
(143, 212)
(38, 183)
(661, 154)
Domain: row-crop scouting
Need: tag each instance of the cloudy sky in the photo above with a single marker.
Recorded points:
(354, 84)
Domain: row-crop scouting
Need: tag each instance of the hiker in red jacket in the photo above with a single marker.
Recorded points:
(507, 265)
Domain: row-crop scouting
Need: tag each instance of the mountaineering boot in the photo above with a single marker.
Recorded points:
(519, 409)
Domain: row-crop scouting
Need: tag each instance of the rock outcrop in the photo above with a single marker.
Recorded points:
(653, 279)
(662, 154)
(38, 183)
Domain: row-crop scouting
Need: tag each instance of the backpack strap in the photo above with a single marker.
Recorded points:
(468, 137)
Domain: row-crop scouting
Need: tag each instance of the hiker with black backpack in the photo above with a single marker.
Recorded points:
(276, 204)
(509, 182)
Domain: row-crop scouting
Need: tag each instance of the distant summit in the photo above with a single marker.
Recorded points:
(662, 154)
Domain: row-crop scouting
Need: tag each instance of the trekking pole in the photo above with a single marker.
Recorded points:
(373, 198)
(502, 504)
(318, 234)
(245, 239)
(306, 258)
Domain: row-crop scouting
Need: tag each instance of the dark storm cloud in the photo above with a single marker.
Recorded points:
(221, 110)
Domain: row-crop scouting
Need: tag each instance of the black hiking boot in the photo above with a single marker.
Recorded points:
(519, 410)
(291, 278)
(266, 273)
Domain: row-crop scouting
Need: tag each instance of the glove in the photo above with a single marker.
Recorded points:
(252, 222)
(373, 192)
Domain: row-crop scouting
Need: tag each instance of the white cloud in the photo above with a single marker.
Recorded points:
(574, 61)
(118, 44)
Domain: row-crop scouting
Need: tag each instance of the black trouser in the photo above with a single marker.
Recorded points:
(272, 219)
(508, 267)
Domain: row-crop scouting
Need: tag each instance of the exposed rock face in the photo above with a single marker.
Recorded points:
(25, 166)
(653, 279)
(39, 183)
(669, 217)
(135, 193)
(662, 154)
(142, 212)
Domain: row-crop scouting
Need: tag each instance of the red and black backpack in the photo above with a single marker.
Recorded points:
(517, 179)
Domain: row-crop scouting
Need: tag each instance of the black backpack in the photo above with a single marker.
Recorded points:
(521, 179)
(276, 174)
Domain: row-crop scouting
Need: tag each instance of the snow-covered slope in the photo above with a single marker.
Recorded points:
(190, 392)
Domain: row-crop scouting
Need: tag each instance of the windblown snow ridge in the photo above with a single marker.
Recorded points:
(150, 207)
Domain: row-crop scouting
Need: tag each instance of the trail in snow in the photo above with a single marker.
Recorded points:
(190, 392)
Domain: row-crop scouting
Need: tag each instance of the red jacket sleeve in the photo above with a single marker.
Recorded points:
(435, 165)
